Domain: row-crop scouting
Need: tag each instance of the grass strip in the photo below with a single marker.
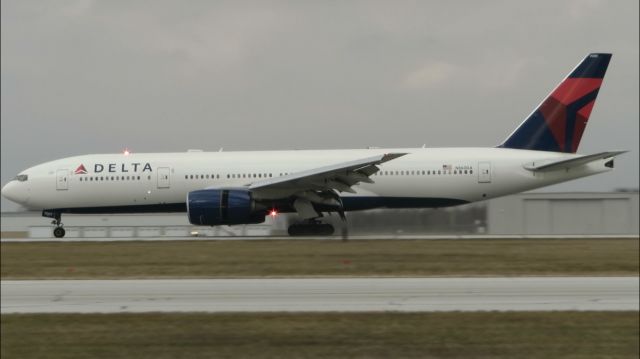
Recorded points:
(282, 258)
(315, 335)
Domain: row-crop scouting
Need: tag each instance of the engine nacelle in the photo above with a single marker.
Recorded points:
(212, 207)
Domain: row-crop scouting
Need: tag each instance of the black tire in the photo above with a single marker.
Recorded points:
(325, 230)
(303, 229)
(59, 232)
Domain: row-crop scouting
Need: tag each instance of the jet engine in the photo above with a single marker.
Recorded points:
(212, 207)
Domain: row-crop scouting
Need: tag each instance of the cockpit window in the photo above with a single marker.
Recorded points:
(22, 178)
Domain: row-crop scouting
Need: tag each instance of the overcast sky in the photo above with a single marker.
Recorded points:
(82, 76)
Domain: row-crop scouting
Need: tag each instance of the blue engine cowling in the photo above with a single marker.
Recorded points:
(212, 207)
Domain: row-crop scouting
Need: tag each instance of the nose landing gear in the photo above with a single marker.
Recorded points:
(59, 231)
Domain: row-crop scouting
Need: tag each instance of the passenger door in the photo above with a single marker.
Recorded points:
(62, 180)
(484, 172)
(164, 180)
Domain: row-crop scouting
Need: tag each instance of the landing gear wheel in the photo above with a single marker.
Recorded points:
(310, 229)
(59, 232)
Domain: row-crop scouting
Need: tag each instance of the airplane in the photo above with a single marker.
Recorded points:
(234, 188)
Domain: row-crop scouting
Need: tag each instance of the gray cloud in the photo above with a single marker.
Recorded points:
(97, 76)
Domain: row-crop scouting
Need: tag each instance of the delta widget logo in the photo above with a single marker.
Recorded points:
(81, 170)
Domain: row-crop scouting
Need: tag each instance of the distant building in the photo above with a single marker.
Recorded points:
(564, 213)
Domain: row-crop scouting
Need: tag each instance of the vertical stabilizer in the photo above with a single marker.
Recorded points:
(558, 123)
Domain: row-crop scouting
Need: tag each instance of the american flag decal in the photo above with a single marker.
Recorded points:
(81, 170)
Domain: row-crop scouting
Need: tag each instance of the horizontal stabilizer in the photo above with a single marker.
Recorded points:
(546, 165)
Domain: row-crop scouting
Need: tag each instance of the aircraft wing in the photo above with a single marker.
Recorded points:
(340, 176)
(571, 162)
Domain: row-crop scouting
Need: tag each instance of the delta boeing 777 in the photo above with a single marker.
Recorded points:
(230, 188)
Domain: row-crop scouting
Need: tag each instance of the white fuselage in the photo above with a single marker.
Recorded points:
(147, 179)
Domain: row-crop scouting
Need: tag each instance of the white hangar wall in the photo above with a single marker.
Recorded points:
(564, 213)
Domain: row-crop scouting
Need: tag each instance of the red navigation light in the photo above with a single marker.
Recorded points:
(126, 152)
(273, 213)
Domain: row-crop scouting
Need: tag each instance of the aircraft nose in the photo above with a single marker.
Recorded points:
(16, 192)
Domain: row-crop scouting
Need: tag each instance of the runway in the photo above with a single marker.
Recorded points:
(9, 239)
(321, 294)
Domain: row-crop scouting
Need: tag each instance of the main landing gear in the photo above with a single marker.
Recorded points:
(59, 231)
(311, 228)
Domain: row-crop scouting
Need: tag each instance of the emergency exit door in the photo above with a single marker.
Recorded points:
(164, 177)
(484, 172)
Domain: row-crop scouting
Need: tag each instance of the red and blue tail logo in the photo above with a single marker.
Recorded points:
(558, 123)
